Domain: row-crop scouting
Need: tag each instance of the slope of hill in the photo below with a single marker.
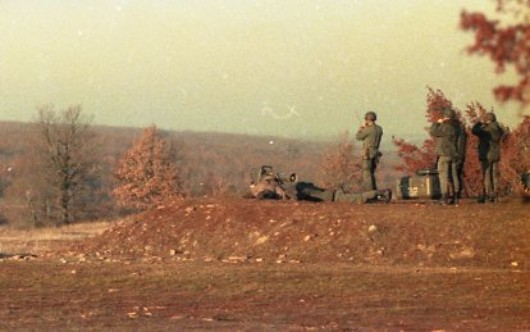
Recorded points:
(246, 230)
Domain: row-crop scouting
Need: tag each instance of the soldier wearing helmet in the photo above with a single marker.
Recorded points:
(490, 134)
(269, 185)
(447, 132)
(370, 134)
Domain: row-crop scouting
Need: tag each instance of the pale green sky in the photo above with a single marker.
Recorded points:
(292, 68)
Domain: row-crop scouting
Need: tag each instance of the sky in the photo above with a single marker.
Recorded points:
(291, 68)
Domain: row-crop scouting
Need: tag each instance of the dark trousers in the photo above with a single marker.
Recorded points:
(459, 184)
(490, 177)
(368, 168)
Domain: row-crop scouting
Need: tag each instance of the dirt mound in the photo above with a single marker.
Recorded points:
(245, 230)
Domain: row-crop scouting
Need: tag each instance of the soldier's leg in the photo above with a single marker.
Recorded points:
(460, 176)
(363, 197)
(488, 180)
(455, 184)
(483, 168)
(367, 175)
(308, 191)
(494, 189)
(359, 198)
(325, 196)
(372, 173)
(443, 172)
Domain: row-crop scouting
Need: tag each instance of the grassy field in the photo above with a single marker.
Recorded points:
(38, 241)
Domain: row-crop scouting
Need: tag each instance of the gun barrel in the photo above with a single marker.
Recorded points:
(287, 178)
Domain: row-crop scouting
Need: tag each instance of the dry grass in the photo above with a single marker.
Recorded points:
(36, 241)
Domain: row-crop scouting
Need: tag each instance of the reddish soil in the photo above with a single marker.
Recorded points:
(228, 264)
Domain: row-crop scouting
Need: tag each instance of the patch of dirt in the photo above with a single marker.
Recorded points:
(241, 264)
(246, 230)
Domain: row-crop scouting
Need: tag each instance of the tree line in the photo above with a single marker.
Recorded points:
(62, 169)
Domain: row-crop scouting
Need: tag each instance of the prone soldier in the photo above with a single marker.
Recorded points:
(267, 185)
(274, 186)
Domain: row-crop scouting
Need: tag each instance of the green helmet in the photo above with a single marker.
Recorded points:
(370, 116)
(490, 117)
(448, 113)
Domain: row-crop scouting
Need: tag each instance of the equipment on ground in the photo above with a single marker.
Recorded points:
(425, 184)
(267, 172)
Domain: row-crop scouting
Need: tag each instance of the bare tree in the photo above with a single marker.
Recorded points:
(341, 167)
(147, 174)
(63, 162)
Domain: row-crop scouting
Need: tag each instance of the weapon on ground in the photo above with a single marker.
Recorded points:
(267, 172)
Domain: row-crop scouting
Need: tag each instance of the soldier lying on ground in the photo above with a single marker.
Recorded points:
(273, 186)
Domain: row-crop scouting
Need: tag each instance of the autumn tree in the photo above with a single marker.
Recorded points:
(60, 166)
(506, 43)
(415, 157)
(147, 175)
(341, 167)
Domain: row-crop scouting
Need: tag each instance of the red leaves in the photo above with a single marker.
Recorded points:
(340, 167)
(506, 45)
(146, 174)
(515, 148)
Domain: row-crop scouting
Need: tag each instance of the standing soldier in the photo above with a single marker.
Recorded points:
(446, 132)
(370, 134)
(490, 134)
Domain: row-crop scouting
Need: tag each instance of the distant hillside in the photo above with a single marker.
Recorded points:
(202, 156)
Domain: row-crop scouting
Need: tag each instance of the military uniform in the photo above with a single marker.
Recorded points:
(268, 189)
(265, 184)
(490, 134)
(271, 188)
(461, 147)
(446, 133)
(307, 191)
(370, 134)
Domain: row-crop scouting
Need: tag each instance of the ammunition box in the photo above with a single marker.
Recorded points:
(425, 186)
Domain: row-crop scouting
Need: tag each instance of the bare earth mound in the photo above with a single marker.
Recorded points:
(245, 230)
(247, 265)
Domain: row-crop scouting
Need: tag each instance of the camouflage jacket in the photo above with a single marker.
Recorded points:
(371, 138)
(268, 189)
(490, 136)
(446, 137)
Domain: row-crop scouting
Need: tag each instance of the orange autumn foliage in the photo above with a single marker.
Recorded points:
(147, 176)
(506, 43)
(515, 155)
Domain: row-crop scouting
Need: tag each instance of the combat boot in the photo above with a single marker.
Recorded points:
(446, 200)
(482, 198)
(493, 198)
(385, 195)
